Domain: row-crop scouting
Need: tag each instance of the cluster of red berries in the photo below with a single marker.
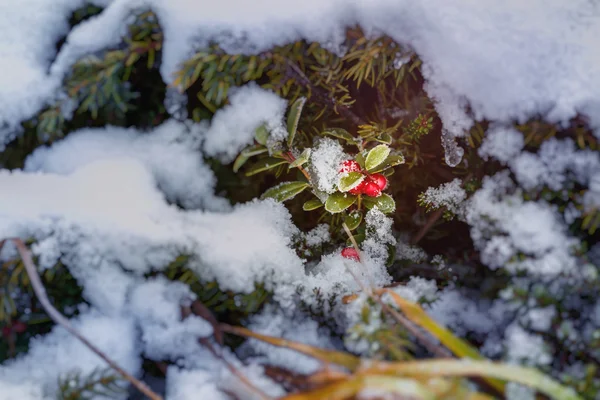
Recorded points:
(371, 186)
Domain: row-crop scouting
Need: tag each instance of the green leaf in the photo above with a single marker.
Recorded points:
(359, 237)
(350, 180)
(312, 205)
(389, 172)
(340, 133)
(293, 119)
(384, 203)
(339, 201)
(285, 191)
(376, 156)
(360, 159)
(301, 160)
(264, 164)
(391, 161)
(246, 154)
(384, 138)
(353, 219)
(261, 134)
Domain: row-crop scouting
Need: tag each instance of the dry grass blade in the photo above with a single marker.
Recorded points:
(463, 368)
(361, 384)
(459, 347)
(59, 319)
(327, 356)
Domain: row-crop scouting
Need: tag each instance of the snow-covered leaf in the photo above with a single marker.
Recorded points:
(384, 203)
(264, 165)
(339, 201)
(246, 154)
(261, 134)
(350, 180)
(340, 133)
(312, 205)
(301, 160)
(285, 191)
(376, 156)
(353, 220)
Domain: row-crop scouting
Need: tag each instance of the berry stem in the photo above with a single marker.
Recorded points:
(291, 159)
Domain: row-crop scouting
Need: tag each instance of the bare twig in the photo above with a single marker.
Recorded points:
(433, 218)
(58, 318)
(206, 343)
(322, 95)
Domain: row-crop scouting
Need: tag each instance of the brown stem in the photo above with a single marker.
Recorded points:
(206, 343)
(58, 318)
(433, 218)
(322, 96)
(291, 159)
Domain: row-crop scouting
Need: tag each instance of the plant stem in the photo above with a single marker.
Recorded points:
(57, 317)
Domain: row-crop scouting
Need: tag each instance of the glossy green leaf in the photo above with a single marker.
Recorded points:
(339, 201)
(261, 134)
(350, 180)
(285, 191)
(293, 119)
(360, 159)
(384, 203)
(312, 205)
(384, 138)
(376, 156)
(389, 172)
(391, 161)
(353, 219)
(301, 160)
(264, 164)
(246, 154)
(340, 133)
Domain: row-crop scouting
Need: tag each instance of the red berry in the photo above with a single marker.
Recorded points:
(372, 190)
(6, 331)
(350, 253)
(380, 180)
(359, 188)
(19, 327)
(349, 166)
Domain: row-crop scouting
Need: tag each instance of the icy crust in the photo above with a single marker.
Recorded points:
(502, 72)
(170, 151)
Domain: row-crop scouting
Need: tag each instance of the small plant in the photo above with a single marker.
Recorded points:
(356, 169)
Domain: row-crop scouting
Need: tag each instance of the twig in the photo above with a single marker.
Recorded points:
(58, 318)
(322, 95)
(234, 370)
(433, 218)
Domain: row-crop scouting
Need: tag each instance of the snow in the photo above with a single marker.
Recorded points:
(170, 151)
(157, 303)
(29, 32)
(232, 128)
(325, 162)
(417, 289)
(58, 354)
(502, 143)
(450, 195)
(504, 225)
(297, 328)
